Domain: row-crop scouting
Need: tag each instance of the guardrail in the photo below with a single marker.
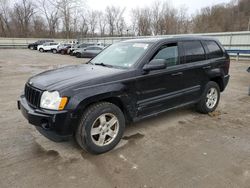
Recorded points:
(239, 53)
(232, 41)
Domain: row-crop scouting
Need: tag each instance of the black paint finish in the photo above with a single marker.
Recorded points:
(139, 92)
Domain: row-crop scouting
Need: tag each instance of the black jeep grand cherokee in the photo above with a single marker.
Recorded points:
(128, 81)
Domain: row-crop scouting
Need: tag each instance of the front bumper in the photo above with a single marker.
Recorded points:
(55, 125)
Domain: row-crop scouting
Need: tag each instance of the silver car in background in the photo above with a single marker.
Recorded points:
(88, 52)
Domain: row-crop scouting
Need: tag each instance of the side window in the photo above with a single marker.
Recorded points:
(91, 48)
(214, 49)
(193, 51)
(169, 53)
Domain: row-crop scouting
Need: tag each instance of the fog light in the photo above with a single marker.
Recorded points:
(45, 124)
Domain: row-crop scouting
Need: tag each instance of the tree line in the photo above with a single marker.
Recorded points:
(69, 19)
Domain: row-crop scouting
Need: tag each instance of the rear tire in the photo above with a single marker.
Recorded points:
(41, 50)
(54, 51)
(209, 99)
(101, 128)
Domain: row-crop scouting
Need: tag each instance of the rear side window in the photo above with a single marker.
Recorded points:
(214, 51)
(97, 48)
(193, 51)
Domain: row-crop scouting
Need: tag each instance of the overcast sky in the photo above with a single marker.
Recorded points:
(191, 5)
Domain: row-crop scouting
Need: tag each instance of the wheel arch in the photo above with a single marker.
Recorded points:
(219, 81)
(116, 100)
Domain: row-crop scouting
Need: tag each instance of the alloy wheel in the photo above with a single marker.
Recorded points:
(104, 129)
(212, 97)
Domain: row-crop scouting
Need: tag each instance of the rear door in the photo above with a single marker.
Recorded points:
(194, 77)
(216, 56)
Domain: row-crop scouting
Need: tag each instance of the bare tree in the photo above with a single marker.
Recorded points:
(112, 13)
(39, 27)
(92, 21)
(84, 26)
(23, 12)
(156, 12)
(102, 22)
(66, 8)
(119, 21)
(183, 20)
(4, 18)
(142, 21)
(51, 12)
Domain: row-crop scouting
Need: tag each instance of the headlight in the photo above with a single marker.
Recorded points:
(53, 101)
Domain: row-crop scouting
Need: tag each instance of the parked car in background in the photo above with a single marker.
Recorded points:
(33, 46)
(88, 52)
(48, 46)
(78, 46)
(63, 48)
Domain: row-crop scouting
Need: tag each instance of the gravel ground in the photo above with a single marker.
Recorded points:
(180, 148)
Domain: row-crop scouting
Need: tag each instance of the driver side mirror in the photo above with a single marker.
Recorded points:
(155, 64)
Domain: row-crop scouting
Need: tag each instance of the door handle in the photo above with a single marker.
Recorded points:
(177, 74)
(207, 67)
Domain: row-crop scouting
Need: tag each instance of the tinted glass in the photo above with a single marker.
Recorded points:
(169, 53)
(90, 48)
(122, 54)
(214, 50)
(193, 51)
(97, 48)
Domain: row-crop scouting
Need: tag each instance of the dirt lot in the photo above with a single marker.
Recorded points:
(180, 148)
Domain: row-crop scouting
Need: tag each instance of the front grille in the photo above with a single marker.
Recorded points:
(32, 95)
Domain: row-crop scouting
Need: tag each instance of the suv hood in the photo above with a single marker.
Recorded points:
(72, 76)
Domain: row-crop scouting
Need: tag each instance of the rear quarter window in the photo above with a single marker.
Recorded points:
(214, 51)
(193, 51)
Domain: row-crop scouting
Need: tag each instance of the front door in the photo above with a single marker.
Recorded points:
(161, 89)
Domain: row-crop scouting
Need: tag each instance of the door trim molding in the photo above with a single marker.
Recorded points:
(145, 102)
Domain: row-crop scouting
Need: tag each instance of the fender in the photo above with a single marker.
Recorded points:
(218, 75)
(85, 96)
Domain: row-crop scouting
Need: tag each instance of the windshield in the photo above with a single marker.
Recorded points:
(121, 54)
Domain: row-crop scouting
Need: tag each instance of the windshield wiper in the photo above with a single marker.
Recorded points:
(89, 62)
(104, 65)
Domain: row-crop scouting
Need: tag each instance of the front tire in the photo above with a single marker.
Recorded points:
(54, 51)
(209, 99)
(78, 55)
(101, 128)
